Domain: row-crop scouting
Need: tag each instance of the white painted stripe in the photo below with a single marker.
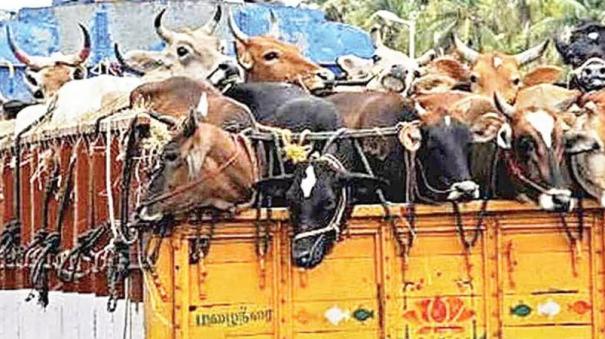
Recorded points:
(543, 123)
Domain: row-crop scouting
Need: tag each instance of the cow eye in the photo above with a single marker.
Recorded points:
(182, 51)
(516, 81)
(526, 144)
(330, 205)
(474, 78)
(31, 79)
(270, 56)
(376, 58)
(78, 74)
(171, 156)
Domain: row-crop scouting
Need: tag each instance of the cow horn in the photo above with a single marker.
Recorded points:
(164, 33)
(503, 106)
(211, 25)
(123, 63)
(237, 33)
(427, 57)
(531, 54)
(20, 54)
(467, 53)
(273, 25)
(376, 35)
(85, 51)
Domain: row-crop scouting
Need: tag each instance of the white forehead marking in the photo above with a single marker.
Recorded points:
(448, 120)
(308, 182)
(497, 62)
(544, 124)
(593, 36)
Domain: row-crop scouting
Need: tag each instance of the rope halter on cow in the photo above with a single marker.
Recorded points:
(335, 223)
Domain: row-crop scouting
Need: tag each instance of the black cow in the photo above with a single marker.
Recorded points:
(583, 48)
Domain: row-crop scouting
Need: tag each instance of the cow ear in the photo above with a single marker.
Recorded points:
(486, 127)
(244, 58)
(505, 136)
(275, 187)
(354, 66)
(580, 142)
(363, 182)
(542, 75)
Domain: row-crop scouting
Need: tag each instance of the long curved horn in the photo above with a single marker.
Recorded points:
(123, 63)
(503, 106)
(85, 51)
(211, 25)
(237, 33)
(531, 54)
(164, 33)
(274, 25)
(467, 53)
(20, 54)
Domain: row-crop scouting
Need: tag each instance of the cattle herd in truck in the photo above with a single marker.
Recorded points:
(271, 128)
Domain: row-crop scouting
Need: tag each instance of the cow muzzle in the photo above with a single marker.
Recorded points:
(557, 200)
(226, 73)
(144, 214)
(464, 190)
(309, 252)
(323, 80)
(591, 75)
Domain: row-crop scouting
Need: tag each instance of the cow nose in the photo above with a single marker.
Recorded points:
(558, 200)
(230, 68)
(464, 190)
(561, 202)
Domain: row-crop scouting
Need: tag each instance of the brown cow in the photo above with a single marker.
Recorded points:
(498, 72)
(202, 166)
(177, 95)
(45, 75)
(265, 58)
(533, 146)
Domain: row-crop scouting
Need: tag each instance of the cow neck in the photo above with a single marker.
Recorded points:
(336, 220)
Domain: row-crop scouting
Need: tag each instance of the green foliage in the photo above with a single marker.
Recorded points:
(506, 25)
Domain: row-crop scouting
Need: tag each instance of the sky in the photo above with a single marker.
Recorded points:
(16, 4)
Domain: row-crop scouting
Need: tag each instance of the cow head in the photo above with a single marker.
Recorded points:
(317, 194)
(196, 151)
(497, 72)
(266, 58)
(45, 75)
(534, 146)
(577, 45)
(196, 53)
(393, 70)
(444, 146)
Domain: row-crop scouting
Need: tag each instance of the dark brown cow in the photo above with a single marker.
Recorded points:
(177, 95)
(265, 58)
(202, 166)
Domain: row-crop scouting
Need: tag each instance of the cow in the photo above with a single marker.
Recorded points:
(531, 162)
(585, 143)
(45, 75)
(266, 58)
(584, 41)
(388, 69)
(196, 53)
(175, 96)
(443, 140)
(498, 72)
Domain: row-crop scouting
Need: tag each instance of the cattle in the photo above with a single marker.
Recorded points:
(203, 166)
(389, 69)
(266, 58)
(585, 142)
(175, 96)
(532, 157)
(443, 143)
(194, 53)
(498, 72)
(45, 75)
(584, 41)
